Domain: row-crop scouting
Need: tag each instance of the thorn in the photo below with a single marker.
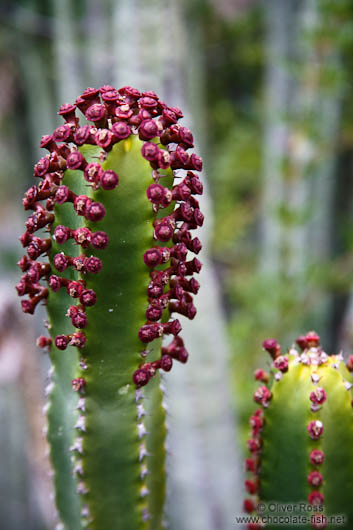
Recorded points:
(81, 404)
(48, 389)
(85, 511)
(77, 446)
(144, 491)
(278, 376)
(83, 364)
(348, 385)
(78, 468)
(144, 471)
(323, 358)
(81, 488)
(304, 359)
(141, 429)
(145, 515)
(315, 378)
(140, 411)
(81, 424)
(45, 408)
(142, 451)
(139, 394)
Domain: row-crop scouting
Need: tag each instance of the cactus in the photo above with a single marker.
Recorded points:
(302, 439)
(119, 209)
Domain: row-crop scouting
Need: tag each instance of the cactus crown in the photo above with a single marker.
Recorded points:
(118, 117)
(301, 437)
(116, 206)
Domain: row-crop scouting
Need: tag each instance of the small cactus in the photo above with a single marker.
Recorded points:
(116, 224)
(302, 437)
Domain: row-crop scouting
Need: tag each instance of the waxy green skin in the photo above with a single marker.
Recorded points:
(286, 444)
(62, 413)
(111, 458)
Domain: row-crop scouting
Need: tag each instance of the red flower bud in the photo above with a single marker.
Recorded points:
(88, 297)
(109, 180)
(61, 342)
(166, 363)
(121, 130)
(99, 240)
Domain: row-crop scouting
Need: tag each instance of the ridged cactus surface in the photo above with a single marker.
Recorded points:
(119, 209)
(301, 447)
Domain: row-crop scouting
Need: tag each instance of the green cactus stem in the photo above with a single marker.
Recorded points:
(119, 211)
(302, 439)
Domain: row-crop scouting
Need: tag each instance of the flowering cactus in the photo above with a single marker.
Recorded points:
(302, 437)
(116, 228)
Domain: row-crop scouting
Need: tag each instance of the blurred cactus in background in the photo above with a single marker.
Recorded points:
(110, 294)
(301, 438)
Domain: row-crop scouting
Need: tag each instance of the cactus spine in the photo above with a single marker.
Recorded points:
(118, 246)
(302, 437)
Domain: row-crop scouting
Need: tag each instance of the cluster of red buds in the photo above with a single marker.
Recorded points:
(114, 115)
(313, 356)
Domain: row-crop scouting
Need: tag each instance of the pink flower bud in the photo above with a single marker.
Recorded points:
(262, 395)
(78, 339)
(75, 160)
(74, 289)
(62, 234)
(281, 363)
(186, 137)
(104, 138)
(81, 204)
(95, 211)
(150, 151)
(317, 457)
(99, 240)
(79, 320)
(318, 396)
(316, 498)
(78, 384)
(43, 342)
(93, 265)
(315, 429)
(109, 180)
(96, 113)
(315, 479)
(61, 342)
(302, 343)
(93, 172)
(55, 283)
(63, 133)
(153, 257)
(150, 332)
(141, 377)
(88, 297)
(166, 363)
(121, 130)
(61, 262)
(148, 129)
(153, 313)
(164, 231)
(82, 236)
